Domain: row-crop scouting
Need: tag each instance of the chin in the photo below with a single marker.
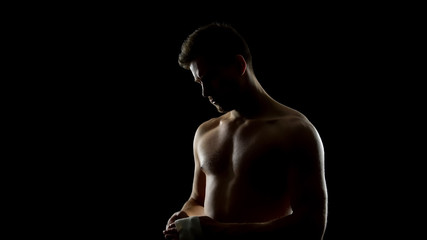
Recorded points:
(220, 109)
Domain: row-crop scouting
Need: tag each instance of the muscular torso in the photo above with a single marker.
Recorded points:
(247, 164)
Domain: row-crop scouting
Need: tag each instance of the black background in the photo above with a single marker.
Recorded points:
(111, 117)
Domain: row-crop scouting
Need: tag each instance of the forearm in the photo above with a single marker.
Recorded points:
(193, 208)
(259, 231)
(289, 227)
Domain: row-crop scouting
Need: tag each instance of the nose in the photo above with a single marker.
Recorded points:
(205, 91)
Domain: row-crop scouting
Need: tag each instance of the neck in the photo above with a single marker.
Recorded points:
(255, 101)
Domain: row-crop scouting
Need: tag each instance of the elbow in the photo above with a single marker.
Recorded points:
(311, 226)
(314, 227)
(319, 228)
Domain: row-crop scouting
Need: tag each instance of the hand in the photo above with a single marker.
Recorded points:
(170, 232)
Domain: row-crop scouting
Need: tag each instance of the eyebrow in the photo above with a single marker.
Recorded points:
(199, 78)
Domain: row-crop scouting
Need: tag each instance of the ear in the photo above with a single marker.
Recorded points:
(241, 64)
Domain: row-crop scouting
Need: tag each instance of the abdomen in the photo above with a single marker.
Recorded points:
(233, 200)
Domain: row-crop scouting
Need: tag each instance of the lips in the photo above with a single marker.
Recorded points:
(211, 100)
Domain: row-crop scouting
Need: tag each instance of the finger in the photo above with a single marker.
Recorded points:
(170, 231)
(171, 220)
(171, 238)
(169, 226)
(169, 235)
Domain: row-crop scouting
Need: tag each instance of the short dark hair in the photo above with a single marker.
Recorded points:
(218, 42)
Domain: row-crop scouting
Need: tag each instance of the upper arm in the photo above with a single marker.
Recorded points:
(309, 192)
(194, 206)
(199, 178)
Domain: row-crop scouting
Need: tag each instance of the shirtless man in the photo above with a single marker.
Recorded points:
(259, 167)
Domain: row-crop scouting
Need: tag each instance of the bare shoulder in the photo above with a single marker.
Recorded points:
(293, 119)
(299, 127)
(208, 125)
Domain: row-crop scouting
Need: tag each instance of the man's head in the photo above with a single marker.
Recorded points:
(216, 42)
(218, 57)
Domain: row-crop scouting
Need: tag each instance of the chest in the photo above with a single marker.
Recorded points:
(255, 148)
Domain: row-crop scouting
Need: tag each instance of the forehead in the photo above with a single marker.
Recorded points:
(198, 67)
(201, 67)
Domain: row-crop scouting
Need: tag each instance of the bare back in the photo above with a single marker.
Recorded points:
(247, 165)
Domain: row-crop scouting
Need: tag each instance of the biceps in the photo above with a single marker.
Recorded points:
(199, 184)
(308, 189)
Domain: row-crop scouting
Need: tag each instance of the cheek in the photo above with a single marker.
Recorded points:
(227, 83)
(229, 88)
